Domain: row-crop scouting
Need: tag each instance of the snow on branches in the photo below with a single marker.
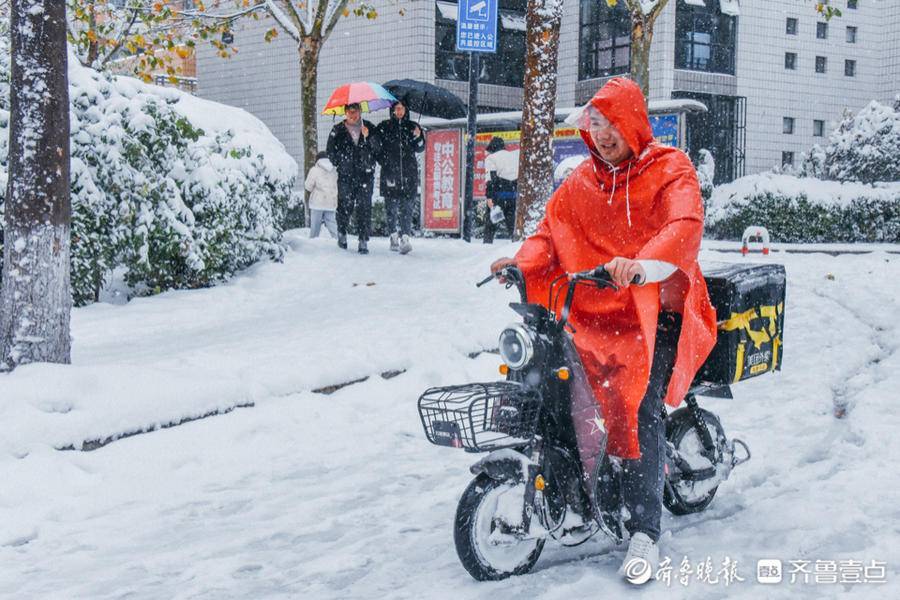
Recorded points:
(865, 146)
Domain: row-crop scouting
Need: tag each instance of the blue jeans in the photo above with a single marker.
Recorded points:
(317, 217)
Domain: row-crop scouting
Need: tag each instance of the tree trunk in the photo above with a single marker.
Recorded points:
(35, 297)
(641, 39)
(309, 78)
(309, 48)
(543, 19)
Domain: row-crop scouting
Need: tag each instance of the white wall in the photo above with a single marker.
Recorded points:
(773, 92)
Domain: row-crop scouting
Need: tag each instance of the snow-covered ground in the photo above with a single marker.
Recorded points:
(305, 495)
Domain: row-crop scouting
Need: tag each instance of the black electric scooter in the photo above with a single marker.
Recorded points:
(530, 486)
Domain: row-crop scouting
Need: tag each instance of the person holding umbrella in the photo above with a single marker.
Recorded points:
(352, 147)
(400, 141)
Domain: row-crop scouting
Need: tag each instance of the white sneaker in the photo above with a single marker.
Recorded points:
(405, 246)
(395, 242)
(641, 560)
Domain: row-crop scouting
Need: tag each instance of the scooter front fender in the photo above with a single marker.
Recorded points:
(506, 465)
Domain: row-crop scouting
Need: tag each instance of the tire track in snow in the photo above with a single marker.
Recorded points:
(867, 372)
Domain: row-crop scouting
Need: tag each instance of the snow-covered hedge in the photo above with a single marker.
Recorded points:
(176, 191)
(804, 209)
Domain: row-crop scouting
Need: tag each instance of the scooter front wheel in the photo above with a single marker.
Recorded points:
(485, 551)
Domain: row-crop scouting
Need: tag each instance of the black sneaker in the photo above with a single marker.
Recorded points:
(363, 247)
(342, 241)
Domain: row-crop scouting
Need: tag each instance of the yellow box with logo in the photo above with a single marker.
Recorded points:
(749, 303)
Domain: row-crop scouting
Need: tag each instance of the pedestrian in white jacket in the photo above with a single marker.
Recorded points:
(321, 183)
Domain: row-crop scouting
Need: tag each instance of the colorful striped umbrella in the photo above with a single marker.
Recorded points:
(369, 96)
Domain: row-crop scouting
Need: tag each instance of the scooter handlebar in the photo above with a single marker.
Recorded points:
(601, 275)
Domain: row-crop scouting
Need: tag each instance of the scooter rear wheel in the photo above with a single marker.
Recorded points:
(686, 497)
(482, 556)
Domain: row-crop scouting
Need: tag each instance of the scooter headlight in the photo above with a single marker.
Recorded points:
(516, 346)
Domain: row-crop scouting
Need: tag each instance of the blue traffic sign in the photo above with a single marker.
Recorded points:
(476, 26)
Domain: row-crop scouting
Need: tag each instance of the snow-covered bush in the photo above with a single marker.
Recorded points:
(797, 209)
(812, 163)
(179, 192)
(864, 147)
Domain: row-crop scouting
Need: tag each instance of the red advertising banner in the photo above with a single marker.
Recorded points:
(441, 208)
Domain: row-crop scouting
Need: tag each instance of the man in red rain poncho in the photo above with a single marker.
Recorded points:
(634, 206)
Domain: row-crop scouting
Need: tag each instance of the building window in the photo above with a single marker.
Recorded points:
(790, 60)
(818, 128)
(704, 38)
(790, 27)
(787, 159)
(722, 130)
(850, 68)
(505, 67)
(851, 35)
(851, 4)
(787, 125)
(820, 64)
(822, 31)
(604, 41)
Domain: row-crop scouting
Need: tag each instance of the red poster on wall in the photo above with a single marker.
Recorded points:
(441, 208)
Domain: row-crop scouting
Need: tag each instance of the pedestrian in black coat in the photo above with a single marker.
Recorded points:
(352, 148)
(401, 139)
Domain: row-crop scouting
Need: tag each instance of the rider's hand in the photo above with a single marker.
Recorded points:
(502, 263)
(623, 271)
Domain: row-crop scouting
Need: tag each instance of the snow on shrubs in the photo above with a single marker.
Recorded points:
(170, 204)
(864, 147)
(798, 209)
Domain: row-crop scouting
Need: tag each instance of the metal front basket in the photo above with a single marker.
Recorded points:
(480, 416)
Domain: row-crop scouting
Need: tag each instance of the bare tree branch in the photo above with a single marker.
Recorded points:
(123, 35)
(283, 20)
(303, 25)
(334, 17)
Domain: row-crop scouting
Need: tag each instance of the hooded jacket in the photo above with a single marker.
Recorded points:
(399, 146)
(647, 207)
(321, 183)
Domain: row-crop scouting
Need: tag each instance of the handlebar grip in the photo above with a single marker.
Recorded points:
(486, 280)
(601, 273)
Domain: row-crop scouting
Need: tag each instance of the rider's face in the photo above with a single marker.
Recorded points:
(609, 142)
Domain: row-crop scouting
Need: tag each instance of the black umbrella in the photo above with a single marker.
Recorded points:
(427, 99)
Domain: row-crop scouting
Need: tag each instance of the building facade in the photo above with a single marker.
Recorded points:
(775, 76)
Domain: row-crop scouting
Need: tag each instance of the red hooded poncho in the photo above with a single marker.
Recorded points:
(648, 207)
